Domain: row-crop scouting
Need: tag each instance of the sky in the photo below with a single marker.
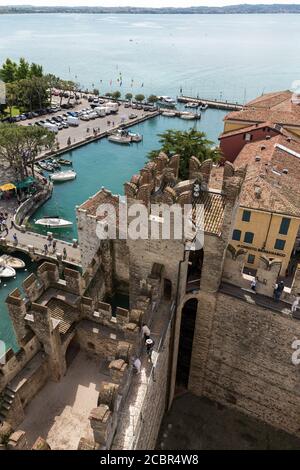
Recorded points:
(143, 3)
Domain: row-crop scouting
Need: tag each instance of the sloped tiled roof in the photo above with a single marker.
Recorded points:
(63, 312)
(213, 205)
(267, 186)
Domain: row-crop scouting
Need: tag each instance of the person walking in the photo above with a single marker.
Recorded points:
(54, 246)
(46, 248)
(146, 331)
(64, 253)
(295, 304)
(253, 284)
(278, 291)
(137, 365)
(149, 347)
(15, 238)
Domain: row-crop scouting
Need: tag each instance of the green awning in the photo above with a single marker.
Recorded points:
(25, 183)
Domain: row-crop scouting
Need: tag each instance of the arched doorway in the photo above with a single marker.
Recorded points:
(194, 270)
(72, 351)
(187, 327)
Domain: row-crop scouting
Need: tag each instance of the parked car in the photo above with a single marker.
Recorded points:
(126, 104)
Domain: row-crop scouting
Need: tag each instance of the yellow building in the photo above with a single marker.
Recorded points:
(268, 218)
(281, 108)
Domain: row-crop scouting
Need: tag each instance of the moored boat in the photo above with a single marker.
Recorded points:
(12, 262)
(7, 272)
(54, 222)
(121, 136)
(168, 114)
(190, 116)
(204, 107)
(62, 161)
(167, 101)
(62, 176)
(135, 137)
(192, 104)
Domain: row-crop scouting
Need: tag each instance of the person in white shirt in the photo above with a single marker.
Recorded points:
(146, 332)
(137, 365)
(295, 305)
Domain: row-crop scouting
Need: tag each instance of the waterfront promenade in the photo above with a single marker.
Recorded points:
(84, 133)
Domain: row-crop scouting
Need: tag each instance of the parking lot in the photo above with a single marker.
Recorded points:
(95, 127)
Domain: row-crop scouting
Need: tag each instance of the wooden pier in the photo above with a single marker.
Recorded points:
(215, 104)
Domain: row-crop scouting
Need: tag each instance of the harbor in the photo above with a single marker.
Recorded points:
(213, 104)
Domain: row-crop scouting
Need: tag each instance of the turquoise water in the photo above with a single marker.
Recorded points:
(103, 163)
(234, 57)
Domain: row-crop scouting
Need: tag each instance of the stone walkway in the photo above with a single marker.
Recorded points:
(60, 411)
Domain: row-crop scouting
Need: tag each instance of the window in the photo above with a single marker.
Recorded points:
(251, 259)
(284, 226)
(279, 244)
(248, 238)
(248, 137)
(236, 235)
(246, 216)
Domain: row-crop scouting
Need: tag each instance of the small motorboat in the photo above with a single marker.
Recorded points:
(168, 114)
(7, 272)
(12, 262)
(62, 161)
(203, 107)
(191, 105)
(167, 101)
(62, 176)
(53, 163)
(135, 137)
(190, 116)
(53, 222)
(46, 166)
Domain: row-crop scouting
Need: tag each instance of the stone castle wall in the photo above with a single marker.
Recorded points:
(242, 357)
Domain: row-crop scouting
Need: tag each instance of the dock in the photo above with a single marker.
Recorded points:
(214, 104)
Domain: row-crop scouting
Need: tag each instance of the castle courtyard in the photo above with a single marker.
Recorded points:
(60, 411)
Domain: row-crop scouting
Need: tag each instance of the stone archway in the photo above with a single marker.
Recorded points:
(186, 337)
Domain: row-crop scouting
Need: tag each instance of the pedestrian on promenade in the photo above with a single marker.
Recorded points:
(64, 253)
(278, 291)
(15, 238)
(137, 365)
(253, 284)
(295, 304)
(46, 248)
(146, 331)
(5, 229)
(149, 347)
(54, 246)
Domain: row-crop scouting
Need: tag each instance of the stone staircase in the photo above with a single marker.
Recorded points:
(6, 400)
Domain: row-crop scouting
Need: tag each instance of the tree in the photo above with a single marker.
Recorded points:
(23, 69)
(36, 70)
(109, 94)
(96, 92)
(8, 71)
(128, 96)
(186, 144)
(20, 145)
(139, 97)
(152, 99)
(116, 95)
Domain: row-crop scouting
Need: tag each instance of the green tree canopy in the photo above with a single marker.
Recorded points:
(20, 145)
(186, 144)
(128, 96)
(116, 95)
(139, 97)
(152, 99)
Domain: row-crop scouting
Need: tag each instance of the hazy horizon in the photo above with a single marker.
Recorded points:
(144, 3)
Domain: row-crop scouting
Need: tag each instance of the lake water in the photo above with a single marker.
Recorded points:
(235, 57)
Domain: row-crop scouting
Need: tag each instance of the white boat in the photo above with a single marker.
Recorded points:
(204, 107)
(191, 105)
(190, 116)
(135, 137)
(167, 101)
(168, 114)
(63, 176)
(12, 262)
(121, 136)
(7, 271)
(53, 222)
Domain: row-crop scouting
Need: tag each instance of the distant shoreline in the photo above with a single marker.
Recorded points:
(227, 10)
